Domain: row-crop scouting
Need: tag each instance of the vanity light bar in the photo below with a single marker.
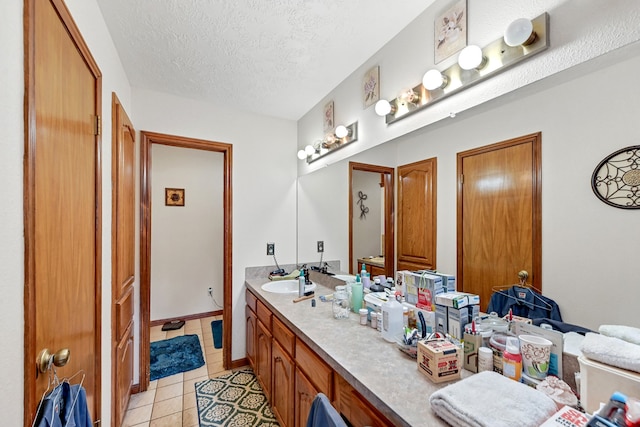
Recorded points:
(499, 57)
(333, 142)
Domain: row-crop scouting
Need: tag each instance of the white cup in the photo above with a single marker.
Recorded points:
(536, 352)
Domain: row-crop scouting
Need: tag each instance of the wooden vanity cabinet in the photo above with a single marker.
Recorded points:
(305, 393)
(263, 349)
(283, 373)
(252, 321)
(354, 407)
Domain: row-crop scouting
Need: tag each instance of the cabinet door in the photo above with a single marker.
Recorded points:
(124, 374)
(417, 215)
(263, 358)
(305, 393)
(251, 336)
(355, 407)
(283, 383)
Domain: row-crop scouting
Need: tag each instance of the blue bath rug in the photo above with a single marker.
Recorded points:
(216, 330)
(175, 355)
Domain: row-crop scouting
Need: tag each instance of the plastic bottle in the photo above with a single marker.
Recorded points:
(364, 270)
(391, 319)
(366, 280)
(485, 359)
(405, 317)
(356, 295)
(363, 316)
(512, 359)
(301, 283)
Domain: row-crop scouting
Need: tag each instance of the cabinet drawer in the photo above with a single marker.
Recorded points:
(251, 300)
(283, 335)
(264, 315)
(318, 372)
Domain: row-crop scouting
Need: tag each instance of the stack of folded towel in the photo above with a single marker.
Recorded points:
(293, 275)
(489, 399)
(615, 345)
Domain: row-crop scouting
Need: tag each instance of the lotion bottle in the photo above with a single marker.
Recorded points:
(512, 359)
(356, 295)
(301, 283)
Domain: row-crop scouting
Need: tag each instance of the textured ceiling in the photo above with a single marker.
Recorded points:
(272, 57)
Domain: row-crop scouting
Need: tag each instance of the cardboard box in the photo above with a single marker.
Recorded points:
(439, 360)
(421, 289)
(441, 319)
(567, 417)
(457, 299)
(429, 317)
(448, 280)
(456, 319)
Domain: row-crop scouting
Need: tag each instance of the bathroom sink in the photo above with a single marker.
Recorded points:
(286, 287)
(345, 277)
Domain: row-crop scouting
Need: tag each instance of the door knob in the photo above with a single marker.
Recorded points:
(45, 359)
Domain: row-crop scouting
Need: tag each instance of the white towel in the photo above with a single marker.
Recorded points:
(489, 399)
(626, 333)
(611, 351)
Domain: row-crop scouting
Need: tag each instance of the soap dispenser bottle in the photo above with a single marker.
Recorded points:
(301, 283)
(356, 295)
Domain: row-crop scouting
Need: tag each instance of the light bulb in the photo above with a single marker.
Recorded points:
(309, 150)
(434, 79)
(383, 107)
(342, 131)
(471, 57)
(519, 32)
(302, 154)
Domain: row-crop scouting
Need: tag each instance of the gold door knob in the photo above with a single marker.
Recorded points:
(45, 359)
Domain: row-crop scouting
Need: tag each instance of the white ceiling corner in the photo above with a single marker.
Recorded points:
(273, 57)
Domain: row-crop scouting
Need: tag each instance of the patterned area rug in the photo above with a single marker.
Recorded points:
(175, 355)
(234, 399)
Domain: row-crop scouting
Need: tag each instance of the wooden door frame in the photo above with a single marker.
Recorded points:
(146, 140)
(29, 165)
(389, 220)
(536, 170)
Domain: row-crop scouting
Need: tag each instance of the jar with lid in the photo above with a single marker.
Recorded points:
(341, 303)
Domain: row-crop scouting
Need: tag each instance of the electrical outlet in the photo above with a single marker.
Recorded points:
(271, 248)
(210, 291)
(320, 246)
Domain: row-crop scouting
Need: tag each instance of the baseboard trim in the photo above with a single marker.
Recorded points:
(240, 363)
(188, 317)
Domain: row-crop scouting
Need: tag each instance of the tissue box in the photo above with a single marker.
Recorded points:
(567, 417)
(439, 360)
(599, 381)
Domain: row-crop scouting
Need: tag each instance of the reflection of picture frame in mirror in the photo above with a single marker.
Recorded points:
(174, 196)
(371, 86)
(328, 117)
(450, 31)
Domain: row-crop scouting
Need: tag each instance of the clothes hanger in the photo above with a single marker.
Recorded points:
(523, 276)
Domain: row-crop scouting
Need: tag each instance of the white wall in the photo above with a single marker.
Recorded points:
(264, 177)
(589, 249)
(12, 248)
(186, 241)
(579, 31)
(367, 231)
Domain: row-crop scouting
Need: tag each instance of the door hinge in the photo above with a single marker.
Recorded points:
(461, 178)
(98, 125)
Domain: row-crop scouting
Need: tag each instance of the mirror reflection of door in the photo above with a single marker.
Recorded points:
(371, 219)
(499, 211)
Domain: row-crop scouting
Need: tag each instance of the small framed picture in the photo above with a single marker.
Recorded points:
(328, 118)
(450, 31)
(371, 87)
(174, 196)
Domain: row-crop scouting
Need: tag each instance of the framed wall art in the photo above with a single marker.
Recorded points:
(616, 179)
(174, 196)
(450, 31)
(371, 87)
(328, 117)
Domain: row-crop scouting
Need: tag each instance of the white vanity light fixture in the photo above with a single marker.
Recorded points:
(342, 136)
(475, 65)
(434, 79)
(384, 107)
(520, 33)
(472, 58)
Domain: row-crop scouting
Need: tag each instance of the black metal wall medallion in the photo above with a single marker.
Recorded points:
(616, 179)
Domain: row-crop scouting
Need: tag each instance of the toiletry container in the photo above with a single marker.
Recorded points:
(512, 359)
(341, 304)
(363, 316)
(391, 319)
(301, 283)
(485, 359)
(356, 295)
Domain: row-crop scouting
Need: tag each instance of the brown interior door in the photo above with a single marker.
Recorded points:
(62, 202)
(499, 229)
(417, 215)
(123, 258)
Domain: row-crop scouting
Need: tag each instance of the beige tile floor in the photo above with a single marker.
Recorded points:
(171, 401)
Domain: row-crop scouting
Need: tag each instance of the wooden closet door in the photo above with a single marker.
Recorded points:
(417, 215)
(123, 258)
